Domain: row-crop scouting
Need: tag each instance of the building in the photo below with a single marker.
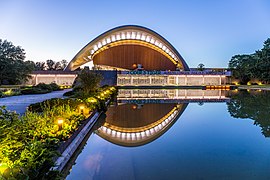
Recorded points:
(142, 57)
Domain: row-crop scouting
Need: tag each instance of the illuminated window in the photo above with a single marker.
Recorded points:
(156, 43)
(163, 47)
(128, 35)
(133, 35)
(148, 38)
(167, 50)
(160, 45)
(99, 45)
(92, 51)
(138, 36)
(118, 37)
(108, 40)
(143, 38)
(123, 36)
(103, 42)
(113, 38)
(95, 47)
(152, 41)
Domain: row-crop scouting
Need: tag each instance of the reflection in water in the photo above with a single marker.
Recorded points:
(142, 115)
(206, 142)
(135, 125)
(254, 105)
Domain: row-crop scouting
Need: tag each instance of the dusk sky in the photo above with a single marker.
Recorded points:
(208, 32)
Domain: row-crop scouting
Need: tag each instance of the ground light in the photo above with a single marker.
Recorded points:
(81, 107)
(3, 167)
(60, 123)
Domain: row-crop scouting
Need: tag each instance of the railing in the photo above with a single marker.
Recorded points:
(226, 73)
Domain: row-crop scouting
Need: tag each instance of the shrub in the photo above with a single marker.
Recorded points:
(55, 87)
(44, 86)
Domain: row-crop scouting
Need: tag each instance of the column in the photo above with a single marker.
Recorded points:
(219, 79)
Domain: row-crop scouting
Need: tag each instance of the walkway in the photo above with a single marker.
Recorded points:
(19, 103)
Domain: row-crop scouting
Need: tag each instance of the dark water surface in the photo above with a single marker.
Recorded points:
(203, 140)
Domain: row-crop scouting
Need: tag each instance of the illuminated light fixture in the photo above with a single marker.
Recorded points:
(152, 41)
(103, 42)
(167, 50)
(133, 35)
(99, 45)
(164, 48)
(123, 36)
(118, 37)
(92, 51)
(81, 107)
(143, 37)
(118, 134)
(113, 38)
(60, 123)
(160, 45)
(108, 40)
(128, 35)
(138, 36)
(148, 39)
(109, 131)
(95, 47)
(156, 43)
(173, 56)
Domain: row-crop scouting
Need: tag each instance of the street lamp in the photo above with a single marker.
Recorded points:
(60, 122)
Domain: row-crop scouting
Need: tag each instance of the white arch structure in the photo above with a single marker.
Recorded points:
(142, 135)
(129, 34)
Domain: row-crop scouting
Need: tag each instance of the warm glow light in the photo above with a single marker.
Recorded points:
(118, 37)
(3, 167)
(113, 38)
(81, 107)
(60, 121)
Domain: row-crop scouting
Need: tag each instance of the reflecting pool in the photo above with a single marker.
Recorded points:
(179, 134)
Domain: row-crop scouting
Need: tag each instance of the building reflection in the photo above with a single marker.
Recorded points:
(141, 116)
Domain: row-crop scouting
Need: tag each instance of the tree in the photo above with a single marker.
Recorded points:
(40, 66)
(88, 81)
(200, 67)
(50, 64)
(13, 68)
(256, 65)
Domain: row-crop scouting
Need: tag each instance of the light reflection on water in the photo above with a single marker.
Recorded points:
(203, 142)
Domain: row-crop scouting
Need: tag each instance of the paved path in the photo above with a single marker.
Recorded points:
(19, 103)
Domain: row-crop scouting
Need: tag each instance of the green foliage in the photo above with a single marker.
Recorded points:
(41, 88)
(200, 67)
(29, 142)
(257, 65)
(88, 81)
(13, 68)
(51, 65)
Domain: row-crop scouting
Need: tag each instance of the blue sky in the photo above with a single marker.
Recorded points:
(207, 31)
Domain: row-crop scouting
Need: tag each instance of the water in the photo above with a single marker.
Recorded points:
(20, 103)
(202, 140)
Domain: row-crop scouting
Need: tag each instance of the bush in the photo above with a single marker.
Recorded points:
(44, 86)
(1, 94)
(34, 91)
(55, 87)
(69, 93)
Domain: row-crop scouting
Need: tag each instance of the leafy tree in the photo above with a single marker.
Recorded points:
(200, 67)
(257, 65)
(88, 81)
(50, 64)
(13, 68)
(40, 66)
